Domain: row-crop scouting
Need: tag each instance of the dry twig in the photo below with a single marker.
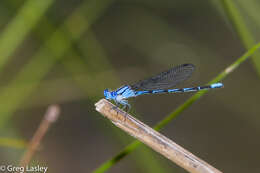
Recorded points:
(154, 139)
(50, 116)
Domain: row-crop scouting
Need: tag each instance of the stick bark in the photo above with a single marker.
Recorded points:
(154, 139)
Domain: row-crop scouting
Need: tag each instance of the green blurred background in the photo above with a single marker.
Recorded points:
(68, 52)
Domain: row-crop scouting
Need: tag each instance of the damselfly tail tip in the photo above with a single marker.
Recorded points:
(217, 85)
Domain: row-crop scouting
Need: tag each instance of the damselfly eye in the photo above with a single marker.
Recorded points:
(106, 93)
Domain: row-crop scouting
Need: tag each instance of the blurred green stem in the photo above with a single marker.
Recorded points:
(131, 147)
(242, 30)
(13, 143)
(57, 45)
(16, 30)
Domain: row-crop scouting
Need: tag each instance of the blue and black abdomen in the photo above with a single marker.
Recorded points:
(177, 90)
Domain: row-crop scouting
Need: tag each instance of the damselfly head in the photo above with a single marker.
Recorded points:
(107, 94)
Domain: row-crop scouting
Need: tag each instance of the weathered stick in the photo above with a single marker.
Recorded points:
(153, 139)
(50, 117)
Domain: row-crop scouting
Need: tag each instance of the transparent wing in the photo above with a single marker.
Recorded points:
(166, 79)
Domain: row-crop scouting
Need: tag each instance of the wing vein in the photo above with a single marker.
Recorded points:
(166, 79)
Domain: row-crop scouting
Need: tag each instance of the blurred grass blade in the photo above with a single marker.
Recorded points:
(131, 147)
(16, 31)
(13, 143)
(53, 50)
(251, 8)
(241, 28)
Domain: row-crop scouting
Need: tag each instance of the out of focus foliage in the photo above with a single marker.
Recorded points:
(68, 52)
